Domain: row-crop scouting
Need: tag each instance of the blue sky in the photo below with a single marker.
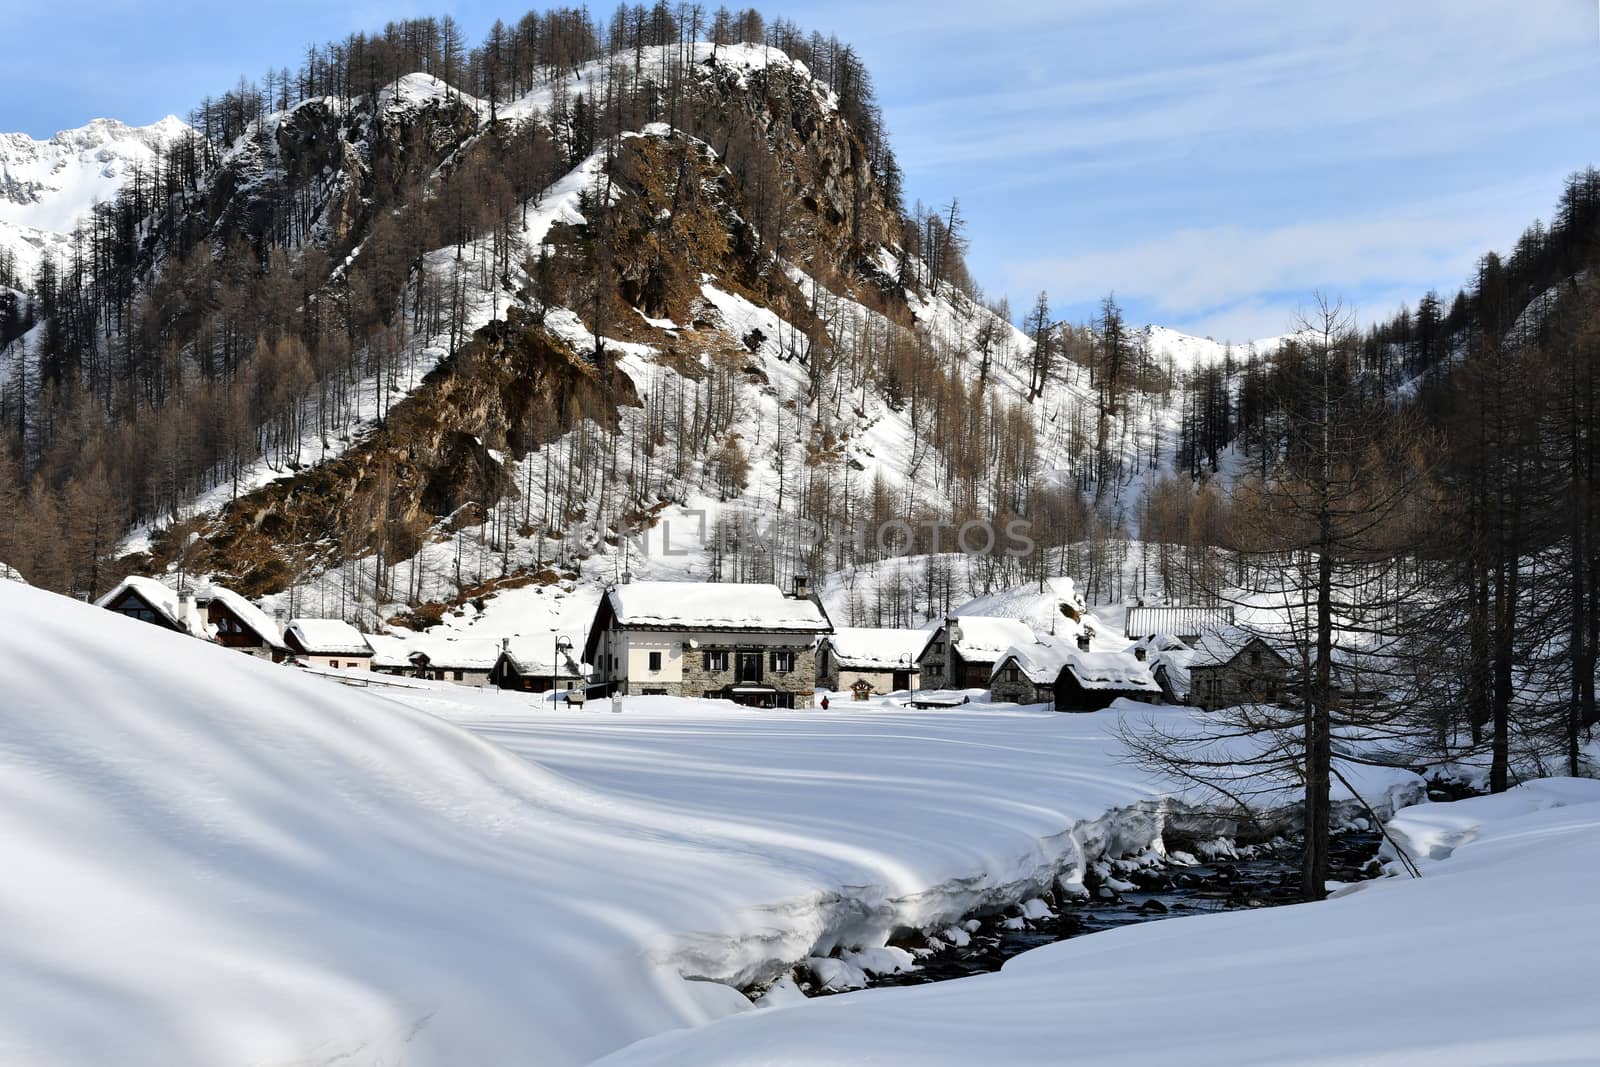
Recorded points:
(1213, 164)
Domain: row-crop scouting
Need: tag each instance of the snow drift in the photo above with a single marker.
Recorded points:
(1488, 959)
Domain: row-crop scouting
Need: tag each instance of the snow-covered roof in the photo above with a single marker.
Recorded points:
(534, 656)
(1144, 621)
(713, 606)
(1160, 643)
(983, 638)
(1118, 671)
(389, 650)
(161, 597)
(1174, 662)
(455, 653)
(1219, 644)
(442, 651)
(247, 613)
(1040, 661)
(865, 648)
(328, 637)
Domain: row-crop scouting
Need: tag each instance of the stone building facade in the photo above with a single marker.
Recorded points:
(1232, 666)
(744, 642)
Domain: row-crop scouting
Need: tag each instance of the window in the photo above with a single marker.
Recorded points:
(1255, 657)
(457, 676)
(655, 661)
(1013, 674)
(783, 660)
(715, 661)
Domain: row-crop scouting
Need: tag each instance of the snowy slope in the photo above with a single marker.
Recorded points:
(211, 859)
(1488, 959)
(47, 186)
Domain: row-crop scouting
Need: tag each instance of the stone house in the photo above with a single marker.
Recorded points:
(1027, 674)
(1090, 681)
(865, 660)
(745, 642)
(328, 643)
(1234, 666)
(963, 651)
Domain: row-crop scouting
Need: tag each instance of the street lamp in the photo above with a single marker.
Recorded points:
(563, 644)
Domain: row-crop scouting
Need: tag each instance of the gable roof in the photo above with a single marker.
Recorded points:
(1219, 645)
(1041, 661)
(328, 637)
(535, 656)
(984, 638)
(759, 606)
(1115, 671)
(864, 648)
(162, 598)
(247, 613)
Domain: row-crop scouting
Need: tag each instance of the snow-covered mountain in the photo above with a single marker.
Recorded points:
(1188, 352)
(747, 382)
(47, 186)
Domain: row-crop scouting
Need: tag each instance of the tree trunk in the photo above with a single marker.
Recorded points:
(1319, 737)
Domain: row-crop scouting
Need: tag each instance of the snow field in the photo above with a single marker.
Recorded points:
(212, 859)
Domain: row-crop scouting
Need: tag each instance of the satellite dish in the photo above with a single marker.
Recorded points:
(693, 643)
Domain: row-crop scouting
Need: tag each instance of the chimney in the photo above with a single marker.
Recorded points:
(186, 608)
(1083, 641)
(1139, 653)
(505, 644)
(802, 587)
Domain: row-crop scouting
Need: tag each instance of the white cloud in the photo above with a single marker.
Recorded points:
(1237, 281)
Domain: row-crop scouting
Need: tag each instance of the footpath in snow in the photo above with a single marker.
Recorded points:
(1489, 958)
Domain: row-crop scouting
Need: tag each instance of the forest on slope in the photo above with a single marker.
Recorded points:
(418, 299)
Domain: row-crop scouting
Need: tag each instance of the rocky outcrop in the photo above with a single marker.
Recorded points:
(437, 457)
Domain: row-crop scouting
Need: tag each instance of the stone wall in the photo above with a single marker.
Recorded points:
(1237, 682)
(1021, 691)
(697, 680)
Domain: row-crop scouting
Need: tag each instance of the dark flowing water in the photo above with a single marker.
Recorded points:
(1263, 876)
